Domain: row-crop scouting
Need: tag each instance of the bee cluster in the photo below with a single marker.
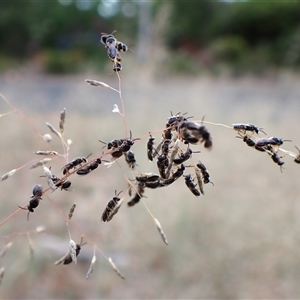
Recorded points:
(170, 156)
(114, 47)
(270, 145)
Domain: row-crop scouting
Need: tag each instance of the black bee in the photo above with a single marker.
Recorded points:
(162, 165)
(37, 193)
(74, 163)
(138, 195)
(121, 47)
(204, 172)
(206, 138)
(165, 147)
(117, 67)
(154, 184)
(112, 207)
(130, 159)
(179, 172)
(63, 184)
(297, 159)
(274, 141)
(277, 160)
(90, 167)
(191, 185)
(148, 177)
(113, 144)
(249, 141)
(183, 157)
(150, 148)
(247, 127)
(67, 259)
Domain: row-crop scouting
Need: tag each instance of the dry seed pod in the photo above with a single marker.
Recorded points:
(40, 163)
(45, 152)
(115, 268)
(161, 232)
(8, 174)
(91, 268)
(2, 269)
(96, 83)
(71, 211)
(53, 130)
(74, 250)
(62, 120)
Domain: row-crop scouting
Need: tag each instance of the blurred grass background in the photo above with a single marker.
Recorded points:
(239, 240)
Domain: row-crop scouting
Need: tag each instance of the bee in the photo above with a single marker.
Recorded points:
(274, 141)
(191, 185)
(165, 147)
(162, 165)
(63, 184)
(67, 258)
(37, 193)
(117, 67)
(150, 148)
(147, 177)
(90, 167)
(249, 141)
(112, 207)
(183, 157)
(154, 184)
(138, 195)
(190, 132)
(277, 160)
(205, 173)
(206, 138)
(177, 174)
(130, 159)
(73, 164)
(121, 47)
(297, 159)
(247, 127)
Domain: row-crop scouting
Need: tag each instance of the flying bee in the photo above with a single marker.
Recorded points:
(112, 207)
(206, 138)
(138, 195)
(67, 258)
(150, 148)
(191, 185)
(89, 168)
(247, 127)
(130, 159)
(297, 159)
(205, 173)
